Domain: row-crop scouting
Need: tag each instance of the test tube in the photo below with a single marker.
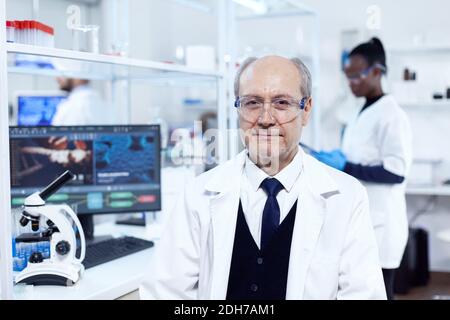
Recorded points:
(10, 30)
(26, 31)
(17, 35)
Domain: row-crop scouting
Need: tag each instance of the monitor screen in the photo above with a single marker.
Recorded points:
(37, 109)
(117, 168)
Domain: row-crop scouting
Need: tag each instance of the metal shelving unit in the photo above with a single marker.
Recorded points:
(409, 53)
(109, 67)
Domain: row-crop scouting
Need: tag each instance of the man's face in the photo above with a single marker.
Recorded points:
(267, 139)
(362, 80)
(65, 84)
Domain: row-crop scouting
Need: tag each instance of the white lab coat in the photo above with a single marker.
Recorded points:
(381, 135)
(83, 106)
(333, 252)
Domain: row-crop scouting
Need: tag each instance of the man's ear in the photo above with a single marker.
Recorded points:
(307, 111)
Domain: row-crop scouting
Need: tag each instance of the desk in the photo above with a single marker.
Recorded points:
(439, 190)
(106, 281)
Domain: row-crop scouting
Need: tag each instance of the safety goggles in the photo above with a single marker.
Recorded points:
(363, 74)
(283, 110)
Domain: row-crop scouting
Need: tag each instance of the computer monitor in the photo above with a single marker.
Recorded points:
(117, 168)
(37, 108)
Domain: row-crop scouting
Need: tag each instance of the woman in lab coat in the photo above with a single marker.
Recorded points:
(376, 149)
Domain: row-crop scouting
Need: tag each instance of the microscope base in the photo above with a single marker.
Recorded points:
(50, 274)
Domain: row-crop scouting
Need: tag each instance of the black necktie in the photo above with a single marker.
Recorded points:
(271, 213)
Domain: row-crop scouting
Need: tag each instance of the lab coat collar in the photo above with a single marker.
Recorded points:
(224, 179)
(317, 178)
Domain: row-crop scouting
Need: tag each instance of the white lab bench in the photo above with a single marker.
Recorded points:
(438, 190)
(434, 191)
(106, 281)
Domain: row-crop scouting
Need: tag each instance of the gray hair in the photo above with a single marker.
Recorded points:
(305, 75)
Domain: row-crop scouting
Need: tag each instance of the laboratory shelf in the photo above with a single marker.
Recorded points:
(56, 73)
(420, 49)
(279, 14)
(103, 66)
(196, 5)
(444, 103)
(439, 190)
(252, 9)
(157, 79)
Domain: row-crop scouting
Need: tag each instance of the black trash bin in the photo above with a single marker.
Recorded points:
(414, 268)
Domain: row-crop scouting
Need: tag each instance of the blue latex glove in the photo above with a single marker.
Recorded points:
(335, 158)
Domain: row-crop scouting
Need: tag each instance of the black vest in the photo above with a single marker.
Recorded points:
(256, 274)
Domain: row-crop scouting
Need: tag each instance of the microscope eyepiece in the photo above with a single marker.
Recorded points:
(56, 185)
(23, 221)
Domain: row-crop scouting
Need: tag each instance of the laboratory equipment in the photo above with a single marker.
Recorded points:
(10, 28)
(85, 38)
(438, 96)
(37, 108)
(30, 32)
(117, 168)
(62, 267)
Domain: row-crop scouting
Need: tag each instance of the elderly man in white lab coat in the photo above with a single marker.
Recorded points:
(272, 222)
(83, 106)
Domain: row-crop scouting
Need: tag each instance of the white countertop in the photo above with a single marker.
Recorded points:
(437, 190)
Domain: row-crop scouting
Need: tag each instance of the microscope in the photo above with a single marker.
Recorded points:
(62, 267)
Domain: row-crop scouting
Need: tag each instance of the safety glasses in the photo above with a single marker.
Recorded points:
(363, 74)
(283, 110)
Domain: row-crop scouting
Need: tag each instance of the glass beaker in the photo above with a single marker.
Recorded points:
(85, 38)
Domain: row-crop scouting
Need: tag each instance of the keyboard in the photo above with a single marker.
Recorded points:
(111, 249)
